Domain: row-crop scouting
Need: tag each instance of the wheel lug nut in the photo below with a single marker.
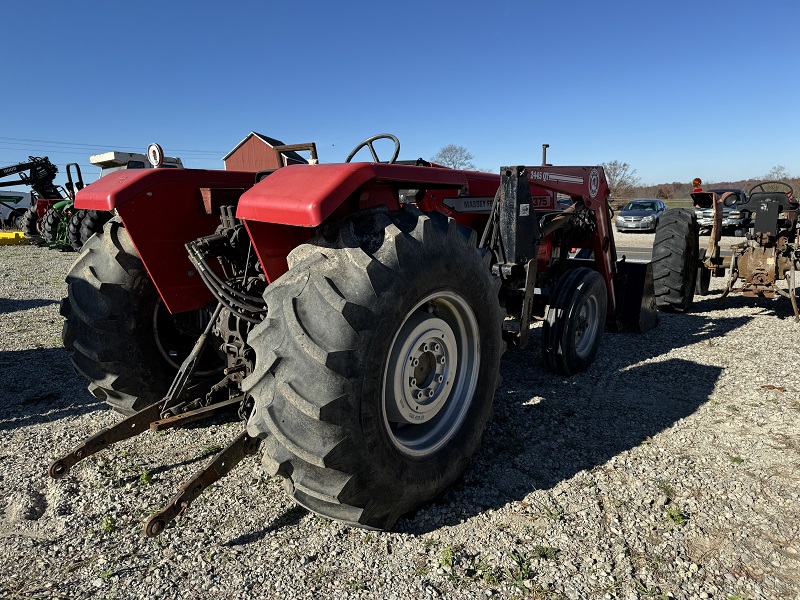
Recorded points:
(436, 347)
(412, 382)
(430, 393)
(441, 360)
(419, 395)
(414, 362)
(424, 347)
(440, 378)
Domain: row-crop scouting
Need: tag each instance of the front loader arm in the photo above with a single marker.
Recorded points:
(589, 185)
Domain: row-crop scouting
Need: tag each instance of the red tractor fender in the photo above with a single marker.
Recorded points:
(306, 195)
(282, 210)
(162, 210)
(45, 204)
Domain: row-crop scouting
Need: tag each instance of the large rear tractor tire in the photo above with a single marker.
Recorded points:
(118, 331)
(50, 222)
(377, 365)
(575, 321)
(29, 224)
(675, 259)
(74, 230)
(93, 222)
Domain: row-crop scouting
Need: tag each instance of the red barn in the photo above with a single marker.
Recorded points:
(256, 153)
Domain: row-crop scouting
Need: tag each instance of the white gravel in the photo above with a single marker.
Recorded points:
(670, 468)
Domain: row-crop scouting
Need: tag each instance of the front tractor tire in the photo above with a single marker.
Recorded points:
(575, 321)
(675, 259)
(120, 335)
(377, 365)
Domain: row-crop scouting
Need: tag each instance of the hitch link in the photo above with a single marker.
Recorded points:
(216, 469)
(125, 429)
(139, 422)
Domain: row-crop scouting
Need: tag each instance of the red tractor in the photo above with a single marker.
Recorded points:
(354, 314)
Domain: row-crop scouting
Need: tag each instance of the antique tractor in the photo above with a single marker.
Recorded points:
(769, 254)
(353, 314)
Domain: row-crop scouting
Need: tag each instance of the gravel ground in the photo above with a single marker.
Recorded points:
(670, 468)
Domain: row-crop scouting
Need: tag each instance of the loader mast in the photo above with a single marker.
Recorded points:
(534, 246)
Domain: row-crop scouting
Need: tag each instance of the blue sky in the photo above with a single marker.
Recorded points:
(676, 89)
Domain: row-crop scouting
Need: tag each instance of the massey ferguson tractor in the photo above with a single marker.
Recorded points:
(353, 314)
(769, 254)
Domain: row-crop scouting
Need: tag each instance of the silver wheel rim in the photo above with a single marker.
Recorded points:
(431, 374)
(587, 326)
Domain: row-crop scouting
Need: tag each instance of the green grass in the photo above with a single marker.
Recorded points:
(680, 203)
(357, 584)
(107, 525)
(676, 516)
(521, 571)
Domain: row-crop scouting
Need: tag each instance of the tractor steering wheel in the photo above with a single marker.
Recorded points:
(368, 142)
(762, 187)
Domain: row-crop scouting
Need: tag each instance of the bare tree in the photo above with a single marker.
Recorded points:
(456, 157)
(621, 178)
(666, 191)
(777, 173)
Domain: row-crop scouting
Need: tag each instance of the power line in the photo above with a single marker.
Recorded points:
(100, 146)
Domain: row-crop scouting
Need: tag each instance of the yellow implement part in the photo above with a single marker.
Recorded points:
(8, 238)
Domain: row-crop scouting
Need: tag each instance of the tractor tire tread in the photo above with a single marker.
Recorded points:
(675, 260)
(50, 222)
(92, 222)
(105, 318)
(74, 229)
(29, 224)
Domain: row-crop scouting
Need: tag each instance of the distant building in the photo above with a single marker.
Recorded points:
(256, 153)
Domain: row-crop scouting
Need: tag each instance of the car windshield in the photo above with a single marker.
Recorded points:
(640, 206)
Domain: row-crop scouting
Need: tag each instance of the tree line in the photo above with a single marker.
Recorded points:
(625, 185)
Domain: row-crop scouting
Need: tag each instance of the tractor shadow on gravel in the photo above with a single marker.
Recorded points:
(288, 518)
(778, 307)
(546, 429)
(40, 386)
(8, 305)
